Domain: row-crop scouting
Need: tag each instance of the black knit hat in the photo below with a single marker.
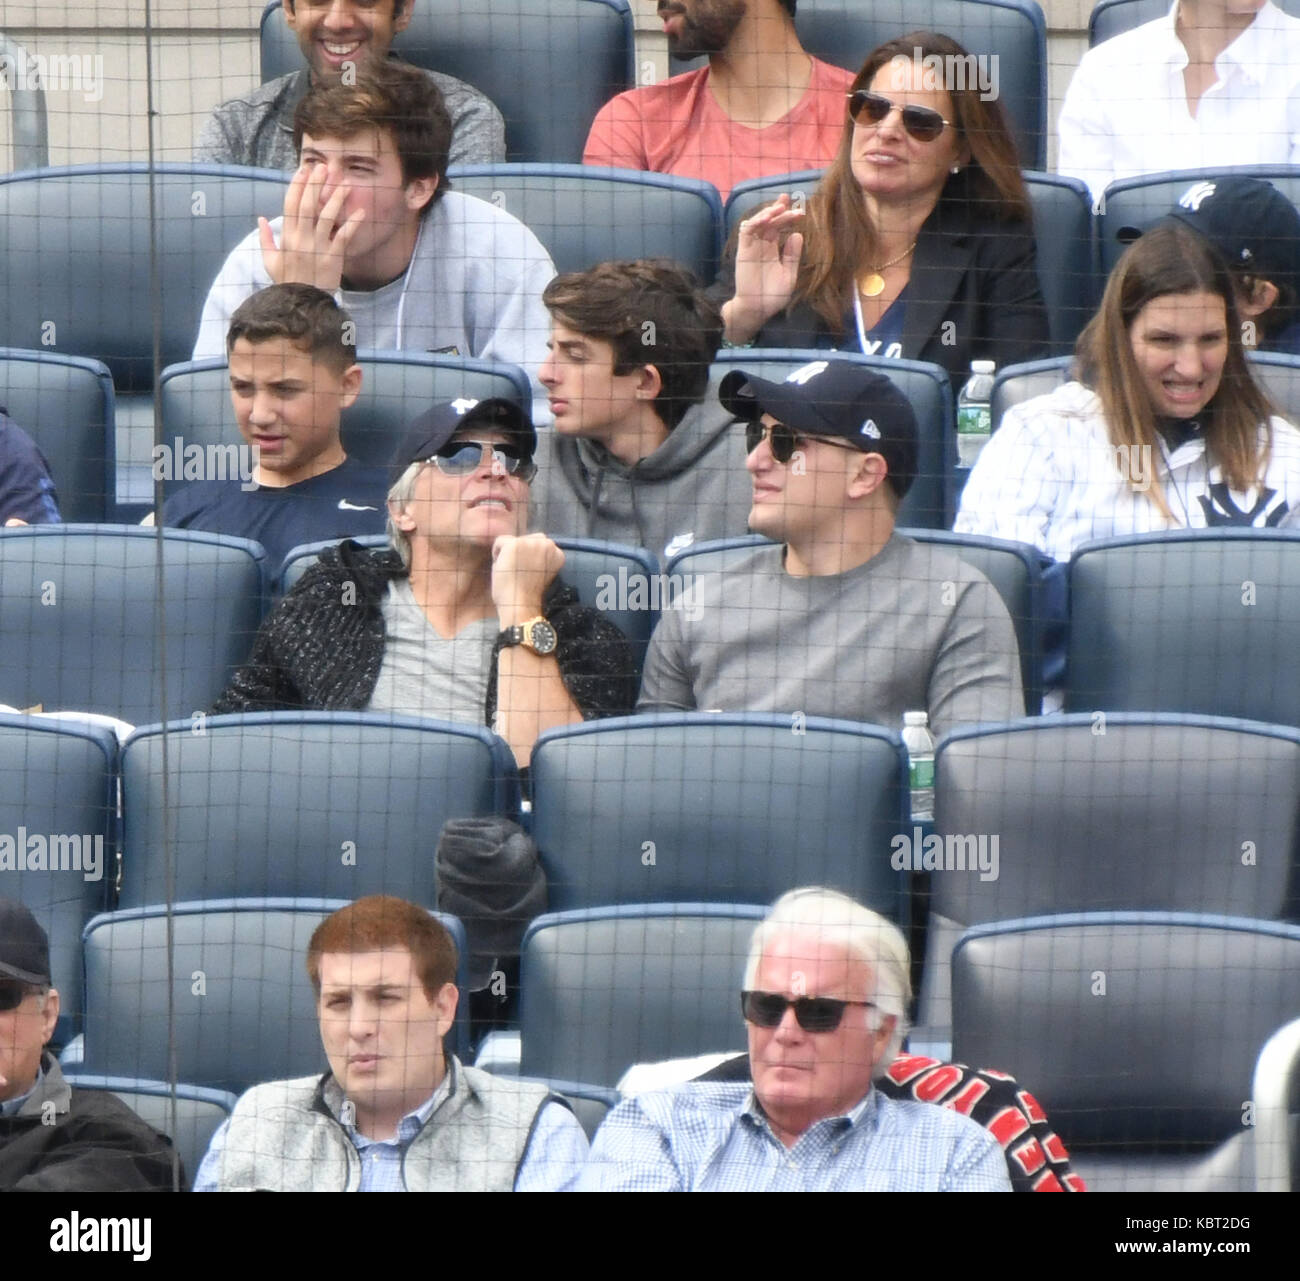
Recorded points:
(24, 946)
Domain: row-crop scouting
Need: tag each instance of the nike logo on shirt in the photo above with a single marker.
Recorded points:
(345, 506)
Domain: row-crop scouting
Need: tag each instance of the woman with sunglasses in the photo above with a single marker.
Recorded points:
(1164, 426)
(463, 618)
(917, 243)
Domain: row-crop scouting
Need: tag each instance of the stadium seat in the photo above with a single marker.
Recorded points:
(549, 65)
(1063, 230)
(1159, 812)
(58, 793)
(288, 804)
(199, 1111)
(93, 621)
(1136, 203)
(1277, 1136)
(65, 403)
(930, 501)
(1014, 33)
(603, 989)
(396, 387)
(1015, 384)
(1203, 621)
(231, 999)
(1140, 1032)
(584, 216)
(1114, 17)
(1012, 568)
(732, 808)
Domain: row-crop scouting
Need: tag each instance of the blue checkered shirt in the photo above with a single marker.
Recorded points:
(713, 1137)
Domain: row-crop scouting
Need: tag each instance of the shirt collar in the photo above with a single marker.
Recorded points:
(410, 1125)
(1256, 47)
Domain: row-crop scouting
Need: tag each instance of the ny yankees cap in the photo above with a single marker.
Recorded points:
(834, 398)
(24, 946)
(437, 425)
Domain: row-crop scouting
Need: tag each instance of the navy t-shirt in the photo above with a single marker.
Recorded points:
(345, 502)
(26, 489)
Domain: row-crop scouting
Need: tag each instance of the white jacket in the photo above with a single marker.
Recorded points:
(1050, 476)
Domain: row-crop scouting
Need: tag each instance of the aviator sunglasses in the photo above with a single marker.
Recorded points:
(783, 440)
(867, 108)
(463, 457)
(812, 1013)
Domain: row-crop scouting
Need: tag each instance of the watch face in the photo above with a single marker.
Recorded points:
(543, 638)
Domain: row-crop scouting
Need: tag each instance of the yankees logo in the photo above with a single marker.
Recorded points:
(1220, 508)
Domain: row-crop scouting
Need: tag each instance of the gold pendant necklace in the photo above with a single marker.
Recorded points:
(873, 283)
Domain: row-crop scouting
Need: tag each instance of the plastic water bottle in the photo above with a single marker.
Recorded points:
(920, 768)
(974, 420)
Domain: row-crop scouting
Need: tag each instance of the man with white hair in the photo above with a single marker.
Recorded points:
(825, 996)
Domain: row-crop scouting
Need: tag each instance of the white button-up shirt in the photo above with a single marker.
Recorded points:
(1126, 110)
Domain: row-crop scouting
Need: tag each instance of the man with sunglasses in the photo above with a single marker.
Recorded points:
(844, 617)
(824, 998)
(54, 1138)
(462, 618)
(761, 106)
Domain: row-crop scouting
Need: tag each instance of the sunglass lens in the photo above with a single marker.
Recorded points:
(868, 108)
(763, 1009)
(923, 124)
(819, 1013)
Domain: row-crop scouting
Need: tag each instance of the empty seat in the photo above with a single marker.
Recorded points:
(601, 990)
(58, 834)
(316, 804)
(65, 403)
(1139, 1031)
(230, 1000)
(95, 621)
(584, 216)
(1205, 621)
(549, 65)
(731, 808)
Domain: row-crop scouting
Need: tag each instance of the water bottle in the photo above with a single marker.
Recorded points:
(974, 421)
(920, 768)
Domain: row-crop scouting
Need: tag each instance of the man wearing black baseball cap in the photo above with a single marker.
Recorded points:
(463, 618)
(54, 1138)
(1257, 230)
(845, 618)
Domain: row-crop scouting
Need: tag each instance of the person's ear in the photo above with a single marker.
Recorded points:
(868, 475)
(401, 516)
(649, 382)
(289, 16)
(50, 1015)
(444, 1006)
(350, 386)
(1263, 295)
(402, 14)
(419, 191)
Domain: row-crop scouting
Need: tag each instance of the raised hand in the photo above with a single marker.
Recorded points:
(312, 245)
(522, 569)
(767, 266)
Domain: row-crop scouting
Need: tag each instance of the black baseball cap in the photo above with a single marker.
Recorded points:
(834, 398)
(436, 426)
(1249, 221)
(24, 947)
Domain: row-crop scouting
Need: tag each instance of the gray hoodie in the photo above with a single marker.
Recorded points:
(694, 487)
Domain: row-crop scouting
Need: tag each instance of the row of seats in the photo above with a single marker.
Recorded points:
(1140, 1032)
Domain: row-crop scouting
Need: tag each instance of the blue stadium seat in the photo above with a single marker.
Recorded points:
(396, 387)
(1138, 817)
(1014, 33)
(1277, 1138)
(1204, 621)
(93, 622)
(584, 216)
(316, 804)
(930, 501)
(58, 804)
(198, 1111)
(231, 997)
(603, 989)
(1014, 569)
(65, 403)
(549, 65)
(1139, 1032)
(731, 808)
(1114, 17)
(1063, 230)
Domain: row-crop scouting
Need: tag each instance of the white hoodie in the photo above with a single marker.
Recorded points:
(1049, 476)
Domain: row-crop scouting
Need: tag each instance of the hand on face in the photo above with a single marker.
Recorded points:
(522, 569)
(312, 245)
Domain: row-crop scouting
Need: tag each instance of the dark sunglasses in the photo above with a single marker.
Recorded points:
(12, 992)
(812, 1013)
(783, 440)
(867, 108)
(463, 457)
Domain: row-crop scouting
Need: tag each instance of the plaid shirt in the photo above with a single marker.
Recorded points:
(713, 1137)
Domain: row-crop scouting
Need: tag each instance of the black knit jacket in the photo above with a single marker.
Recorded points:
(322, 646)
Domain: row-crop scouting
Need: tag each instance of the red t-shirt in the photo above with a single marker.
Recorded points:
(677, 127)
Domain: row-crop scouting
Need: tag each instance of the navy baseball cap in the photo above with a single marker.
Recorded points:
(24, 947)
(436, 426)
(834, 398)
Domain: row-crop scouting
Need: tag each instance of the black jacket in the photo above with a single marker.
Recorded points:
(322, 646)
(973, 294)
(95, 1143)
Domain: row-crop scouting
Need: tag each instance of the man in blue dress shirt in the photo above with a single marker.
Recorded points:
(825, 996)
